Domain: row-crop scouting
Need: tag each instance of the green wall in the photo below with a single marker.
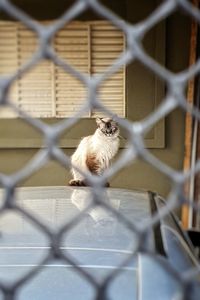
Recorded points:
(138, 175)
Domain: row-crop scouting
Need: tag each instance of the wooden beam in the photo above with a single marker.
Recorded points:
(189, 119)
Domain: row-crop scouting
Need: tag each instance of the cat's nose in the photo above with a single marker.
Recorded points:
(109, 130)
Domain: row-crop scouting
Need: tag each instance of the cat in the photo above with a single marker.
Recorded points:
(95, 152)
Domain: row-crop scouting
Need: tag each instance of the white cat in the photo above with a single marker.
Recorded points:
(95, 152)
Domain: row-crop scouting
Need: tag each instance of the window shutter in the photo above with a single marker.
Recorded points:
(49, 91)
(36, 95)
(9, 60)
(72, 45)
(107, 43)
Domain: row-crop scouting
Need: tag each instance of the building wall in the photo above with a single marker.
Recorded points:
(138, 175)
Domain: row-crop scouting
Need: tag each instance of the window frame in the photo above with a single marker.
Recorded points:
(27, 137)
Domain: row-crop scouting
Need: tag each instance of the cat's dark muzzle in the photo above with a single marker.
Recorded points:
(111, 131)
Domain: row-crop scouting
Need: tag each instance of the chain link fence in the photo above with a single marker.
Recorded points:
(175, 97)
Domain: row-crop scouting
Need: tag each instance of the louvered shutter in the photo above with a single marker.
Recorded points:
(48, 90)
(72, 45)
(9, 60)
(35, 87)
(107, 43)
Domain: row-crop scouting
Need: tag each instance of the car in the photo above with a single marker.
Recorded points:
(84, 249)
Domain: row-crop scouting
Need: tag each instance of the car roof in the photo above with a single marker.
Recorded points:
(99, 242)
(56, 206)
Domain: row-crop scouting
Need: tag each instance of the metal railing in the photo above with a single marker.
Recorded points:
(175, 97)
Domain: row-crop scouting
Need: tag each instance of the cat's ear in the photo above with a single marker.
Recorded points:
(98, 121)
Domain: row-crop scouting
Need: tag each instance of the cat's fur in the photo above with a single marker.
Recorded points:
(95, 152)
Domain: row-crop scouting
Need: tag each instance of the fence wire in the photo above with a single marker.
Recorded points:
(175, 97)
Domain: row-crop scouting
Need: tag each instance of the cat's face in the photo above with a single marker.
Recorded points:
(108, 127)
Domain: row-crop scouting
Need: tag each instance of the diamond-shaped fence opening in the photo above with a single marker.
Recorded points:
(73, 69)
(58, 272)
(95, 230)
(12, 224)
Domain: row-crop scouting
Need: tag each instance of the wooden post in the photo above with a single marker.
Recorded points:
(188, 120)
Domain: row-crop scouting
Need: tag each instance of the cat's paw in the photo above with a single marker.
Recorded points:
(74, 182)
